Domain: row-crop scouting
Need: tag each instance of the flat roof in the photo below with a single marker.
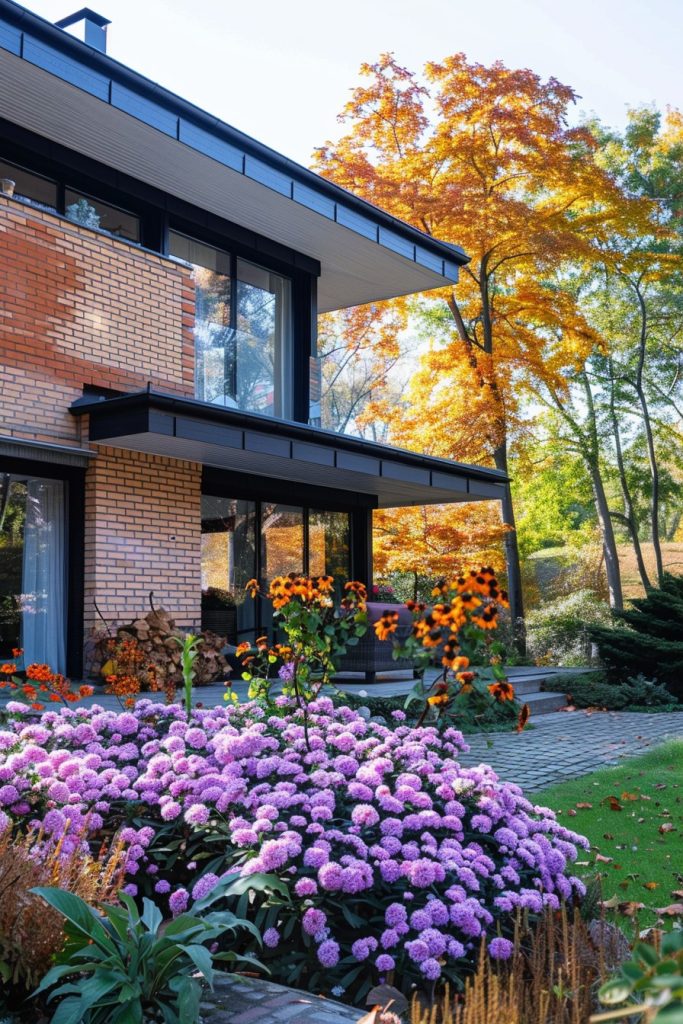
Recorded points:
(249, 443)
(64, 90)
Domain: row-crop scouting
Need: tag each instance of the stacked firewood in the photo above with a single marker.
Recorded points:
(156, 638)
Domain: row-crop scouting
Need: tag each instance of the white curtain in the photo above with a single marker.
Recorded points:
(44, 575)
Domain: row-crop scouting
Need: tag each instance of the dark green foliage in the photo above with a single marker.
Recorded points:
(652, 642)
(595, 691)
(494, 717)
(130, 968)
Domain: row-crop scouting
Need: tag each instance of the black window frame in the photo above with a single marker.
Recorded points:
(74, 477)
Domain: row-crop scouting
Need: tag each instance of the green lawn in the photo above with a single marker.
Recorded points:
(633, 816)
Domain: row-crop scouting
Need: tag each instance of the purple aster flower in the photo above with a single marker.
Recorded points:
(501, 949)
(328, 953)
(430, 968)
(178, 901)
(313, 921)
(384, 962)
(271, 938)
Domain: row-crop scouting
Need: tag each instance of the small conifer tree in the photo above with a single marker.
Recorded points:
(651, 643)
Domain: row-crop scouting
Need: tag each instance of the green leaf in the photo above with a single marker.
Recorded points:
(201, 958)
(83, 917)
(615, 991)
(151, 915)
(189, 995)
(69, 1011)
(670, 1014)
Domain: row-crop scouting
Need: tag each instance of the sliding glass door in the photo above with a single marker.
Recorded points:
(242, 540)
(33, 595)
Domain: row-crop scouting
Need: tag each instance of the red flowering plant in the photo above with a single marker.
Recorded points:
(459, 628)
(40, 683)
(127, 671)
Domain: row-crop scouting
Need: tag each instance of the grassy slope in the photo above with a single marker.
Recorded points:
(548, 564)
(646, 865)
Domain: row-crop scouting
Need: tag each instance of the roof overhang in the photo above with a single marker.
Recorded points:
(65, 91)
(245, 443)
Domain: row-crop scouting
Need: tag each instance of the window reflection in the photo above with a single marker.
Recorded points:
(242, 330)
(228, 561)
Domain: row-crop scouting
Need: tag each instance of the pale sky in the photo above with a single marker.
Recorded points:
(281, 70)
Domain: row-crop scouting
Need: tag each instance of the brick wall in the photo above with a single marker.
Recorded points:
(142, 533)
(76, 308)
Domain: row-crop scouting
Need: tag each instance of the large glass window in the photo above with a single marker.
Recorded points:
(228, 562)
(329, 546)
(242, 540)
(243, 331)
(33, 569)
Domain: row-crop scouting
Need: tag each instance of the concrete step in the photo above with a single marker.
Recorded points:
(544, 703)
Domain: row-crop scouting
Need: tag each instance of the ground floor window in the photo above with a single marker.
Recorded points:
(33, 597)
(243, 539)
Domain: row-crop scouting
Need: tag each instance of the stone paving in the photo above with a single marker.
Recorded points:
(238, 1000)
(565, 745)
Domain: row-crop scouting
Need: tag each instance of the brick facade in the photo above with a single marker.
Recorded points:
(142, 533)
(81, 308)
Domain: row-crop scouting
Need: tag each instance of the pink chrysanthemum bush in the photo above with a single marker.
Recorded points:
(397, 860)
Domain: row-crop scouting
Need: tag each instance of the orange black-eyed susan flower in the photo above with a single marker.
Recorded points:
(85, 691)
(438, 698)
(8, 669)
(487, 619)
(502, 691)
(386, 625)
(17, 652)
(242, 648)
(466, 680)
(252, 588)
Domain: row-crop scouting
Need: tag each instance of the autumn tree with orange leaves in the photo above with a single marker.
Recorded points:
(482, 157)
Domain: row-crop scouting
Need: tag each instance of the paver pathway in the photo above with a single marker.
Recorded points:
(564, 745)
(238, 1000)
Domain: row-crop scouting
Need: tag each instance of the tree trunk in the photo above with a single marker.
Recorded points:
(512, 561)
(649, 437)
(629, 510)
(609, 544)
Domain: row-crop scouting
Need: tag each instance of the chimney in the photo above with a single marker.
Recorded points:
(94, 27)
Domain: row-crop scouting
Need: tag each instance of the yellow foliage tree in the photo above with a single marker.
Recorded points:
(481, 156)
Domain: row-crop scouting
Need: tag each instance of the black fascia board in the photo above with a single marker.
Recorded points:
(141, 403)
(106, 65)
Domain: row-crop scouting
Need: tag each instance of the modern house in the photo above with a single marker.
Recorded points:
(160, 279)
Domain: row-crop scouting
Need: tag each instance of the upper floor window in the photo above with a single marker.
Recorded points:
(93, 213)
(27, 185)
(243, 330)
(76, 206)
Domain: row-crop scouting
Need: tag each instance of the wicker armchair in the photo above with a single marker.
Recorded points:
(371, 655)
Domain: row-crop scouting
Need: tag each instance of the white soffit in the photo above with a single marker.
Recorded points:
(355, 270)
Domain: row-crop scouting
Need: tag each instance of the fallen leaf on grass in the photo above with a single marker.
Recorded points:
(641, 820)
(571, 812)
(629, 796)
(673, 910)
(585, 807)
(650, 885)
(677, 892)
(607, 835)
(613, 803)
(629, 908)
(603, 860)
(667, 826)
